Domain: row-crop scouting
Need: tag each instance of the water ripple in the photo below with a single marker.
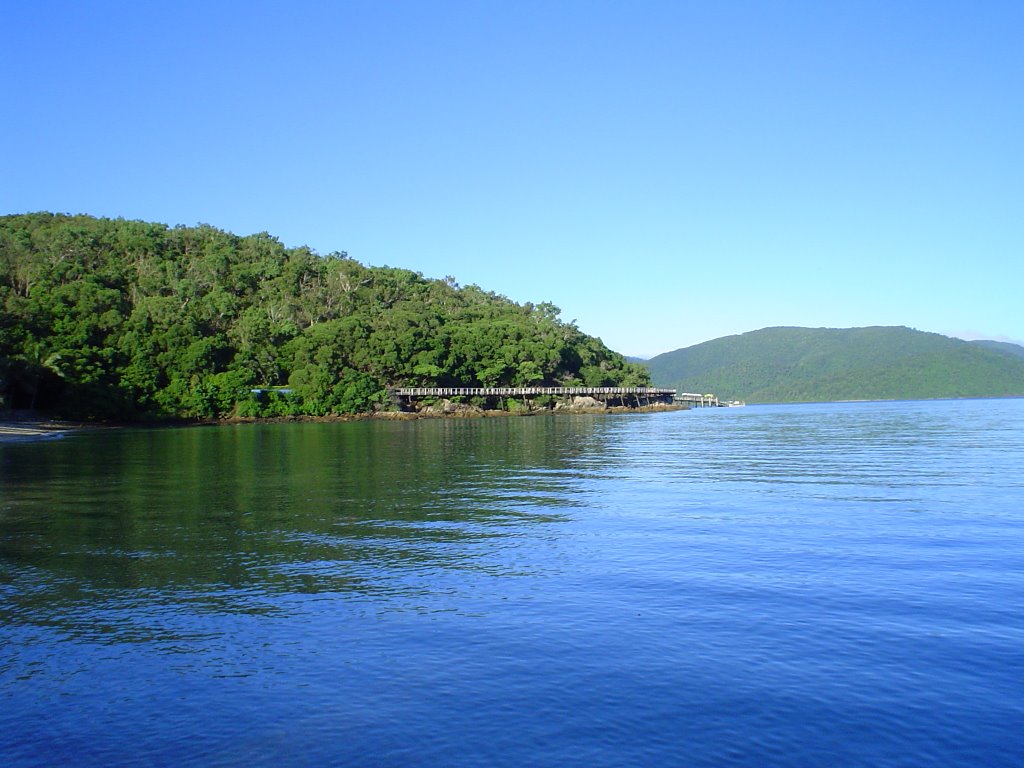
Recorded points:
(784, 585)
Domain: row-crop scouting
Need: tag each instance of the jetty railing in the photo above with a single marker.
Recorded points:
(701, 401)
(659, 394)
(626, 396)
(528, 391)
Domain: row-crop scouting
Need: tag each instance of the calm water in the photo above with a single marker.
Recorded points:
(770, 585)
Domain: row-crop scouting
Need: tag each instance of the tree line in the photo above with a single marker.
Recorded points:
(116, 319)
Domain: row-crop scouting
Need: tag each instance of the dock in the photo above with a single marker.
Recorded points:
(697, 400)
(627, 396)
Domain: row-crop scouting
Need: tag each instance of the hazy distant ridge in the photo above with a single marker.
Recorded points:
(823, 364)
(1004, 347)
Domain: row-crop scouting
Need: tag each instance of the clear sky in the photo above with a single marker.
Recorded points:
(665, 172)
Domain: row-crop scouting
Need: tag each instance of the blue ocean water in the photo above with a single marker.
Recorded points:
(795, 585)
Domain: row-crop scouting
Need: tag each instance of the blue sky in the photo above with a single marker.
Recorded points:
(665, 172)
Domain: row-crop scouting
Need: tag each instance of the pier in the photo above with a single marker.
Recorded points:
(706, 401)
(696, 400)
(628, 396)
(625, 396)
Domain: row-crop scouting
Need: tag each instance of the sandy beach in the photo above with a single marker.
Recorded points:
(18, 429)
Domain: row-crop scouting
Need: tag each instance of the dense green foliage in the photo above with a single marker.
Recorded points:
(1005, 347)
(103, 318)
(828, 364)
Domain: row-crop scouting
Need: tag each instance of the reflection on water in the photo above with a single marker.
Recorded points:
(785, 585)
(220, 519)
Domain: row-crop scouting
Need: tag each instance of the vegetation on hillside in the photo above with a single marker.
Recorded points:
(1005, 347)
(828, 364)
(103, 318)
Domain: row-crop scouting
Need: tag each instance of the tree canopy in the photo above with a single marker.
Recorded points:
(110, 318)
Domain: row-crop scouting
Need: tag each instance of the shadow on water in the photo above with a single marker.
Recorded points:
(230, 519)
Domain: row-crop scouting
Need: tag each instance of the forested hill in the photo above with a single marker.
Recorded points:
(1015, 350)
(103, 318)
(827, 364)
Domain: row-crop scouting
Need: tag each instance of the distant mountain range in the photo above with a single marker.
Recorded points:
(775, 365)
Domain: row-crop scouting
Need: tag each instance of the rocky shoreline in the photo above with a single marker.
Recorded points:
(580, 404)
(29, 428)
(449, 410)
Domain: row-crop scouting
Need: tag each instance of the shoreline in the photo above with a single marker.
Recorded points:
(461, 413)
(15, 428)
(25, 428)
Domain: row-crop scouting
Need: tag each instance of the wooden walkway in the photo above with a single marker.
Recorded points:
(529, 391)
(637, 394)
(626, 396)
(701, 401)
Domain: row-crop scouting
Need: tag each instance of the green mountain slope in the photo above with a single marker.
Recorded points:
(1005, 347)
(103, 318)
(825, 364)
